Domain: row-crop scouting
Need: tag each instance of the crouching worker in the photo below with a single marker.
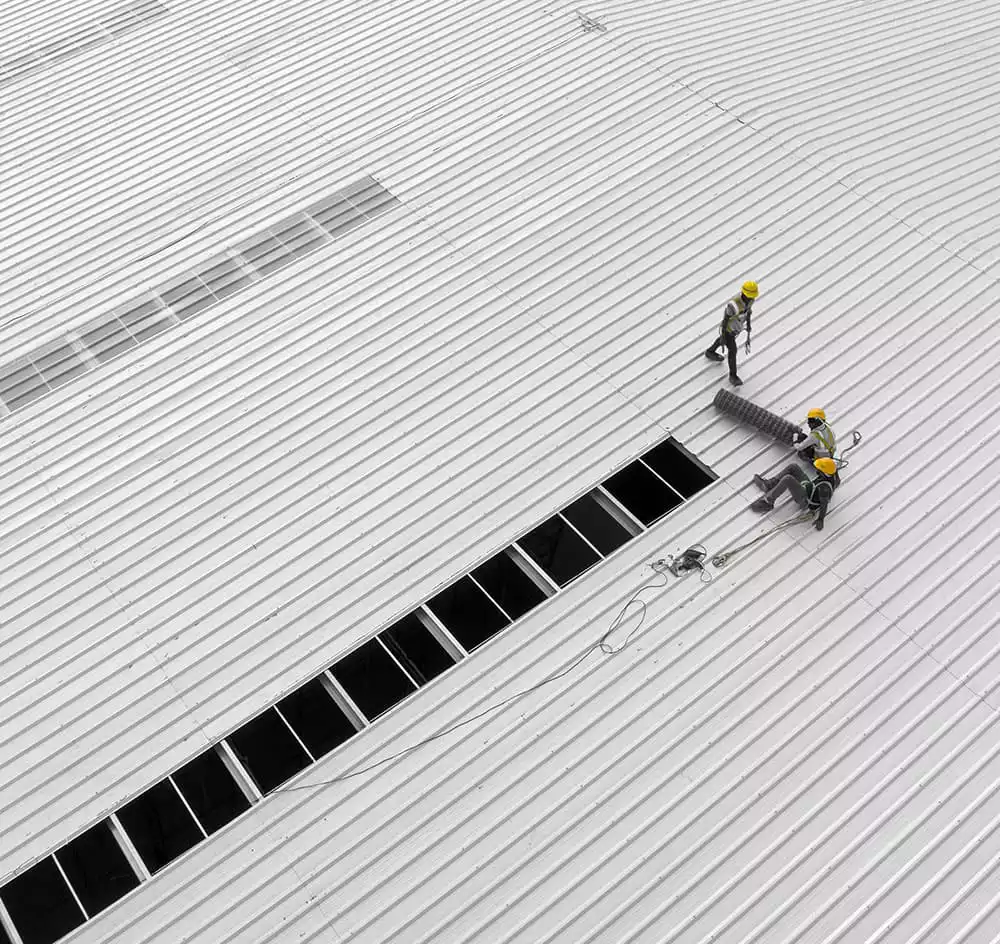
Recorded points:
(820, 442)
(809, 494)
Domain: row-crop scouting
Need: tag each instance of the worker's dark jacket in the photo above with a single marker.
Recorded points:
(819, 491)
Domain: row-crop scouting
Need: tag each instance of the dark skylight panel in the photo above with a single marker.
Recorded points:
(468, 613)
(159, 825)
(416, 649)
(642, 492)
(211, 791)
(557, 548)
(176, 814)
(597, 524)
(508, 584)
(97, 868)
(268, 750)
(372, 679)
(675, 465)
(316, 718)
(40, 904)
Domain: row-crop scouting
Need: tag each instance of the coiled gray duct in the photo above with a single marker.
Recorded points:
(746, 412)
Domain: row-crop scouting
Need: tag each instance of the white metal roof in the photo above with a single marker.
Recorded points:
(803, 750)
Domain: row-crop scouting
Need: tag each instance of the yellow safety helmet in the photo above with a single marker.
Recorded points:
(750, 289)
(826, 466)
(816, 414)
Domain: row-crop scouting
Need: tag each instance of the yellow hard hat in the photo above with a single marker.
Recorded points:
(826, 466)
(816, 414)
(750, 289)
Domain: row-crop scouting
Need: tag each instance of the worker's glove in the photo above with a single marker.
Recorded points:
(818, 524)
(746, 345)
(800, 436)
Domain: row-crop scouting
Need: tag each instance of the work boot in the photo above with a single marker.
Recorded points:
(734, 380)
(713, 355)
(762, 504)
(765, 485)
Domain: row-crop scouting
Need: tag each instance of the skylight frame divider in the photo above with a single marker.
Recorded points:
(585, 539)
(8, 926)
(55, 858)
(342, 692)
(128, 848)
(621, 514)
(438, 630)
(489, 597)
(240, 774)
(416, 685)
(545, 584)
(187, 805)
(428, 615)
(301, 743)
(614, 505)
(662, 479)
(342, 700)
(86, 354)
(523, 560)
(527, 556)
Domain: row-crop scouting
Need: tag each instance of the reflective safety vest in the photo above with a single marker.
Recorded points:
(735, 315)
(824, 441)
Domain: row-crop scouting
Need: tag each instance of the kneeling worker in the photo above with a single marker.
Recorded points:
(820, 443)
(809, 494)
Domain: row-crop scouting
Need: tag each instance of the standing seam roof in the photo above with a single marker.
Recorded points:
(804, 749)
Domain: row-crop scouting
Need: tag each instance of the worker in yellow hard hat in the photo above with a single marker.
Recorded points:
(809, 494)
(820, 442)
(735, 317)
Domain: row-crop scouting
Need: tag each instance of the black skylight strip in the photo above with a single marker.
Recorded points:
(87, 874)
(130, 16)
(212, 281)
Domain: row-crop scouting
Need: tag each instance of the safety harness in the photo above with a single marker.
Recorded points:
(733, 323)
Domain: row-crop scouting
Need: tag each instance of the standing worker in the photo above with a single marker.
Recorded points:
(809, 494)
(821, 443)
(734, 318)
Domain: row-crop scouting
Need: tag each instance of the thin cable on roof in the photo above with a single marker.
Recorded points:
(722, 558)
(603, 645)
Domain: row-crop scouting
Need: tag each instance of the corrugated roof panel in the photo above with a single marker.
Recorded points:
(895, 103)
(803, 749)
(193, 513)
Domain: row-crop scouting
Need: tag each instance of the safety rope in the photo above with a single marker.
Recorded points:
(688, 560)
(721, 559)
(602, 645)
(843, 463)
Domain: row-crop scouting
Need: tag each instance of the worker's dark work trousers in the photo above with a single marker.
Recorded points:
(729, 340)
(792, 479)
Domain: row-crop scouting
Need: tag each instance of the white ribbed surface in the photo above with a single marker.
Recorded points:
(804, 751)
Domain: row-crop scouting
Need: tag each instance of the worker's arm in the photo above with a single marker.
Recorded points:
(728, 312)
(746, 345)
